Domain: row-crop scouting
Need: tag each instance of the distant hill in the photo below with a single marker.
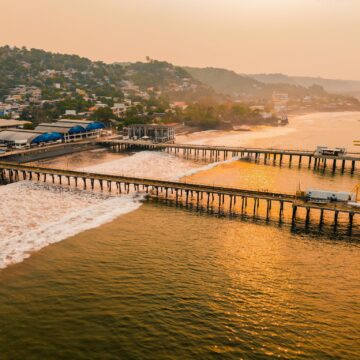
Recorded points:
(226, 81)
(71, 73)
(60, 75)
(239, 85)
(347, 87)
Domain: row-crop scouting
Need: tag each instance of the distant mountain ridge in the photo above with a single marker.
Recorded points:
(230, 83)
(59, 75)
(347, 87)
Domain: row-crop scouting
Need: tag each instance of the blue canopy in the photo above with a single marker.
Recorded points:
(96, 125)
(55, 136)
(77, 129)
(46, 137)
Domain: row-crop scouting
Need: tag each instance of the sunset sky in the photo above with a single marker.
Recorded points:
(297, 37)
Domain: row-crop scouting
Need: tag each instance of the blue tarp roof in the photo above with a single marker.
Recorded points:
(95, 126)
(46, 137)
(77, 129)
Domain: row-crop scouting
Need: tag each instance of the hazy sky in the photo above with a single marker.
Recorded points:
(298, 37)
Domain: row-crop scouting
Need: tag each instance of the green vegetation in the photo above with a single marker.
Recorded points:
(61, 75)
(47, 84)
(136, 115)
(222, 116)
(29, 126)
(103, 114)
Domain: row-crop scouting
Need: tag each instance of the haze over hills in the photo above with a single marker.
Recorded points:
(245, 86)
(40, 85)
(350, 87)
(44, 69)
(263, 85)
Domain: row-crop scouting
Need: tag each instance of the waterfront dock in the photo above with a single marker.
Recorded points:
(217, 153)
(46, 152)
(219, 199)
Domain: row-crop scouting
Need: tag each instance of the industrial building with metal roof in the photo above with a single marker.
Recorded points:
(11, 123)
(88, 125)
(18, 136)
(71, 127)
(62, 130)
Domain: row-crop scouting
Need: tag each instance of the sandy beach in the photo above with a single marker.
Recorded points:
(335, 129)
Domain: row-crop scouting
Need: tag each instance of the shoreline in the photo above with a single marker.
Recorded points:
(280, 136)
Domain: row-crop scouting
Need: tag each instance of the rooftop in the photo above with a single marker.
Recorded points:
(4, 123)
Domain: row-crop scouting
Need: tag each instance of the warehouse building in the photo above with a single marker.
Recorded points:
(72, 129)
(89, 126)
(12, 124)
(45, 133)
(19, 138)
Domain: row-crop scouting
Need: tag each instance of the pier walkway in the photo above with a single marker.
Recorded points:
(216, 153)
(46, 152)
(235, 200)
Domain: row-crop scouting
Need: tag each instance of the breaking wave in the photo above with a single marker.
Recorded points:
(46, 214)
(154, 165)
(147, 164)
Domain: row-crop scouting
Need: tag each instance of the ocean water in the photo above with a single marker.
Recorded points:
(36, 215)
(163, 283)
(47, 213)
(95, 276)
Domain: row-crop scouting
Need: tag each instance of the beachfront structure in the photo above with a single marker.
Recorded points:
(19, 138)
(86, 124)
(11, 124)
(72, 129)
(155, 132)
(44, 133)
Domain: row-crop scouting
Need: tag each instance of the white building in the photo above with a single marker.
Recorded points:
(119, 109)
(70, 112)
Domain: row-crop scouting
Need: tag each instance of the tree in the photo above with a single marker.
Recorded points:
(29, 126)
(103, 114)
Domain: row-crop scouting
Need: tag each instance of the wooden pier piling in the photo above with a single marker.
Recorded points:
(196, 195)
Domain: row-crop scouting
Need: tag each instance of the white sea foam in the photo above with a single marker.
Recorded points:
(34, 215)
(205, 168)
(154, 165)
(147, 164)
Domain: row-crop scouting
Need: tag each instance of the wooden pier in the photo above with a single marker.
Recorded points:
(214, 199)
(217, 153)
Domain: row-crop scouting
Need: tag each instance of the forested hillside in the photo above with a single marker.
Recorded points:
(70, 72)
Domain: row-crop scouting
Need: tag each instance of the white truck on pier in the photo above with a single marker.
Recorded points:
(326, 151)
(326, 196)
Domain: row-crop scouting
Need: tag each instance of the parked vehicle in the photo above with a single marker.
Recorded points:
(21, 144)
(313, 194)
(326, 151)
